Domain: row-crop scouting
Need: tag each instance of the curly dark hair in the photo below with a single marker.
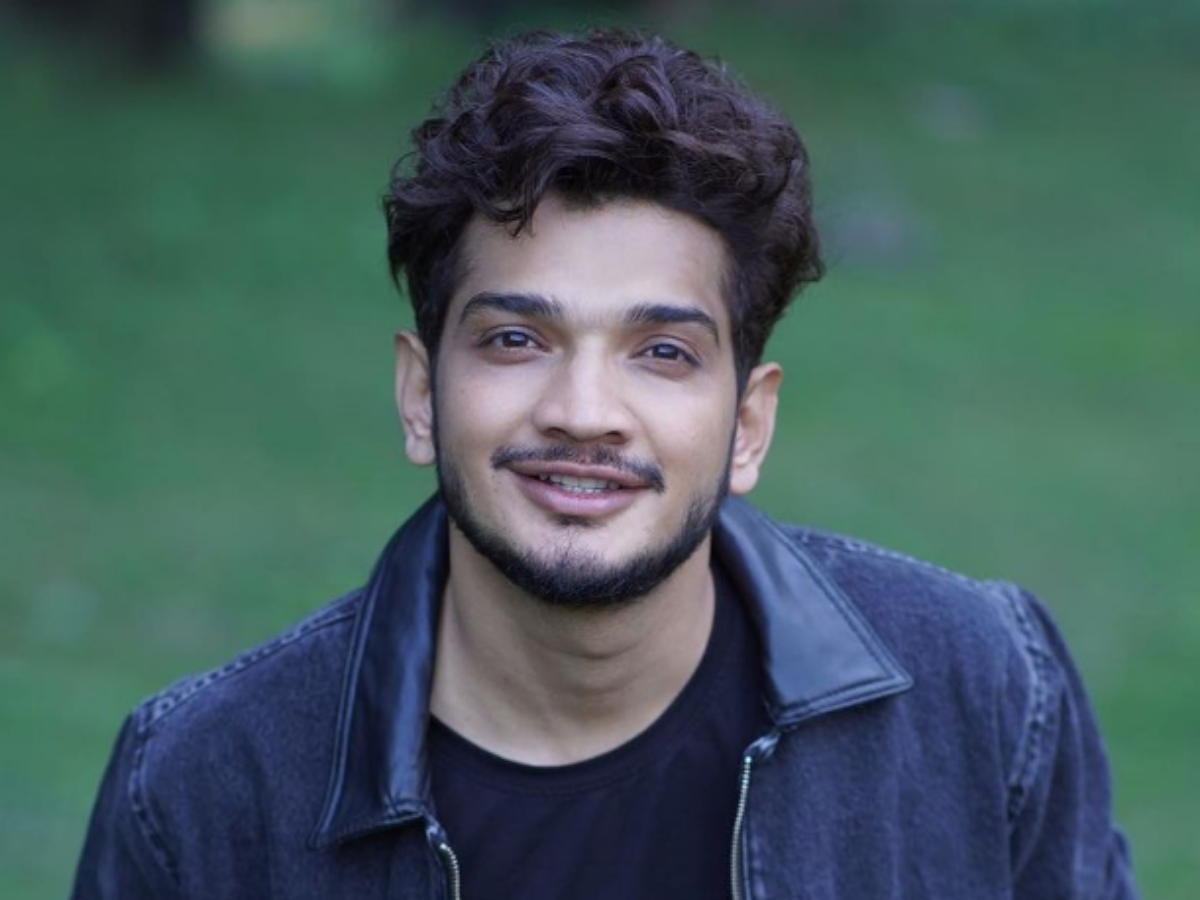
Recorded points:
(594, 117)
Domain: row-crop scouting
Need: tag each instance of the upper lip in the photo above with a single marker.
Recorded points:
(536, 469)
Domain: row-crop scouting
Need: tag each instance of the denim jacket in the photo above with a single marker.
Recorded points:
(931, 739)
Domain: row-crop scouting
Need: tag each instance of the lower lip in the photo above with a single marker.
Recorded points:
(576, 504)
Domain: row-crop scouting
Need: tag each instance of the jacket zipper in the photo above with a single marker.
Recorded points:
(739, 820)
(452, 870)
(739, 886)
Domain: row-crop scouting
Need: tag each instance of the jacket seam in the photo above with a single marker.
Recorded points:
(862, 548)
(1035, 726)
(161, 705)
(140, 807)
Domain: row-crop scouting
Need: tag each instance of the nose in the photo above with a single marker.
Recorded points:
(581, 402)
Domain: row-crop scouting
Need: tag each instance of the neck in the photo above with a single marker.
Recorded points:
(545, 685)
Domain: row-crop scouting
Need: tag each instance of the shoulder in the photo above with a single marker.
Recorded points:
(264, 675)
(945, 629)
(988, 634)
(912, 602)
(199, 749)
(983, 652)
(991, 668)
(241, 751)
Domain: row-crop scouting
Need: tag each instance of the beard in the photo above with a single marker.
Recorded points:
(569, 575)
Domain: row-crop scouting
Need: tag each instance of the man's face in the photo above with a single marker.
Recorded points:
(585, 399)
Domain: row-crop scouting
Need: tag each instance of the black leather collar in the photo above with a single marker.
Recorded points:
(818, 652)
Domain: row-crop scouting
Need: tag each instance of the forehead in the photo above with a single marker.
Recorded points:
(598, 261)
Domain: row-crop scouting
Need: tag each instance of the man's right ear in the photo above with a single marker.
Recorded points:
(414, 398)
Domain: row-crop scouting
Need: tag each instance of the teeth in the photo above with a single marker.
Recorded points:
(580, 485)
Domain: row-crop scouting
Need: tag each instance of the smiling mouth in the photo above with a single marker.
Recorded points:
(576, 494)
(574, 485)
(596, 471)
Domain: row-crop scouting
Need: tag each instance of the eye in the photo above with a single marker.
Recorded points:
(669, 353)
(509, 339)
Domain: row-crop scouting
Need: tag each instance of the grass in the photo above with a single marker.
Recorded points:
(196, 437)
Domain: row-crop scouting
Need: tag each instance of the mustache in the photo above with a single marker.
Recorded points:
(595, 456)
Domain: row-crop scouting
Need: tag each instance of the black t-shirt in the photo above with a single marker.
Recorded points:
(652, 818)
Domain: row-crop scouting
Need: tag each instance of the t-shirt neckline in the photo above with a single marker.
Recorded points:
(626, 761)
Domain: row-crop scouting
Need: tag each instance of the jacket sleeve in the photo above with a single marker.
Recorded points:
(1063, 843)
(123, 856)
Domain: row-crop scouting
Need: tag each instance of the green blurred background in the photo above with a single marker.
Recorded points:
(197, 443)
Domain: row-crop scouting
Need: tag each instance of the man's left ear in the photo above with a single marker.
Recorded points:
(755, 426)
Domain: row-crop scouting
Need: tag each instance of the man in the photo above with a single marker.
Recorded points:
(582, 671)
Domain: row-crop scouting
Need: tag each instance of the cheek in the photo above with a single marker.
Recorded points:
(478, 411)
(696, 436)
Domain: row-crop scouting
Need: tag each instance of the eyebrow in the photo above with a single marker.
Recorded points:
(533, 306)
(669, 314)
(536, 306)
